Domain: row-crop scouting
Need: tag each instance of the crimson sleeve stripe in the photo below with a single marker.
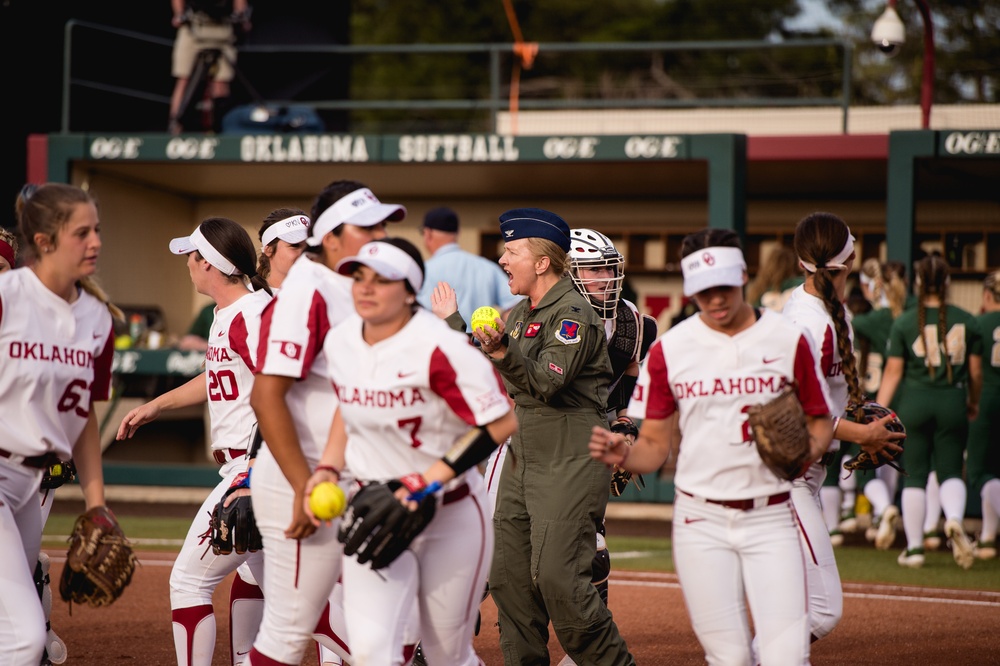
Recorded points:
(238, 339)
(319, 326)
(826, 360)
(442, 380)
(660, 404)
(810, 391)
(265, 333)
(1, 310)
(101, 388)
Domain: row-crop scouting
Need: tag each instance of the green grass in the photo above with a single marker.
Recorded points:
(857, 563)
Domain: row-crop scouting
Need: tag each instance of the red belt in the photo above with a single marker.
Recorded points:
(746, 504)
(455, 494)
(36, 462)
(220, 455)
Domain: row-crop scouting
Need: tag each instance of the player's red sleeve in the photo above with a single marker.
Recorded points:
(101, 388)
(238, 339)
(265, 334)
(442, 381)
(810, 391)
(827, 351)
(660, 403)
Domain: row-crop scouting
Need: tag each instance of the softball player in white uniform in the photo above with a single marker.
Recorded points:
(56, 350)
(825, 248)
(220, 258)
(734, 529)
(295, 403)
(409, 389)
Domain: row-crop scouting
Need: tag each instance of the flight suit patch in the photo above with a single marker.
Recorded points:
(532, 329)
(555, 368)
(569, 332)
(516, 331)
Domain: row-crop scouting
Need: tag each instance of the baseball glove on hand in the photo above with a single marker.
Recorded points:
(864, 414)
(233, 526)
(378, 528)
(779, 429)
(620, 477)
(100, 561)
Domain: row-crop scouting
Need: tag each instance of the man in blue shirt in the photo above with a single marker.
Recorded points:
(477, 281)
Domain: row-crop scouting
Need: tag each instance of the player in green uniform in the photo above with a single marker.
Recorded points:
(983, 462)
(935, 350)
(553, 357)
(884, 285)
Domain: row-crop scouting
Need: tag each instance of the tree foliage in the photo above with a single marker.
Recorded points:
(966, 51)
(967, 62)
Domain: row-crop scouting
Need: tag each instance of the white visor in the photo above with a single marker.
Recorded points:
(197, 241)
(387, 260)
(713, 267)
(360, 208)
(292, 230)
(837, 263)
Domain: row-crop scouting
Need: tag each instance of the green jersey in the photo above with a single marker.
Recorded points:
(989, 326)
(962, 339)
(874, 326)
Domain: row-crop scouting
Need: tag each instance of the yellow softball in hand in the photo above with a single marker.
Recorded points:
(327, 501)
(485, 317)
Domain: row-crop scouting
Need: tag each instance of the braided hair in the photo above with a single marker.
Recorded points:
(991, 284)
(931, 276)
(819, 238)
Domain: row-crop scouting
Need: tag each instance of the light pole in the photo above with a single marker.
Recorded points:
(888, 34)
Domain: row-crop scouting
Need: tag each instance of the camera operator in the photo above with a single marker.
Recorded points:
(203, 25)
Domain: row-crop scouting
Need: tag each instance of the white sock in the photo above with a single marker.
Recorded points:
(914, 505)
(890, 477)
(933, 504)
(991, 509)
(953, 499)
(878, 495)
(829, 498)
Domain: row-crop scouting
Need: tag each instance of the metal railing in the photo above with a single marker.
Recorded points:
(495, 101)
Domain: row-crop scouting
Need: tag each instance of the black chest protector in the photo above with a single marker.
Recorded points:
(631, 338)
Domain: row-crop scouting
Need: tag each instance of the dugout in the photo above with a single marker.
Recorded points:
(646, 191)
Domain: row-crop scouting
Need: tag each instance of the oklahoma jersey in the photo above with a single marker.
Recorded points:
(56, 359)
(229, 364)
(405, 400)
(811, 315)
(294, 326)
(712, 379)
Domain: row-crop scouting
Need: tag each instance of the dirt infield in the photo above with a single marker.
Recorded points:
(882, 625)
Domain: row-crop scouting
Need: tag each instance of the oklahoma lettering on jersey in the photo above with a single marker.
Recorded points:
(405, 400)
(294, 327)
(711, 379)
(229, 364)
(377, 398)
(81, 358)
(56, 359)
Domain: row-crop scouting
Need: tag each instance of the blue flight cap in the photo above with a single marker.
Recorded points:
(534, 223)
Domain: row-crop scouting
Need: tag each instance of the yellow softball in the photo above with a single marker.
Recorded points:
(327, 501)
(485, 316)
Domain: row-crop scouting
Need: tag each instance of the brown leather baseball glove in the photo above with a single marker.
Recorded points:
(100, 561)
(779, 429)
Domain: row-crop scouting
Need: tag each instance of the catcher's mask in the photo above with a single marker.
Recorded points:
(593, 250)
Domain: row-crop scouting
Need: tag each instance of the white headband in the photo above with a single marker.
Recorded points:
(197, 241)
(292, 230)
(387, 260)
(360, 208)
(837, 263)
(713, 267)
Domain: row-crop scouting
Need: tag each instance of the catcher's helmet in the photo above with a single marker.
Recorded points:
(592, 249)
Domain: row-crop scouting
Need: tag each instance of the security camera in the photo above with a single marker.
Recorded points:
(888, 33)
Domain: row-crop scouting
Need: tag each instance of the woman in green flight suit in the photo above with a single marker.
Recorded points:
(553, 357)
